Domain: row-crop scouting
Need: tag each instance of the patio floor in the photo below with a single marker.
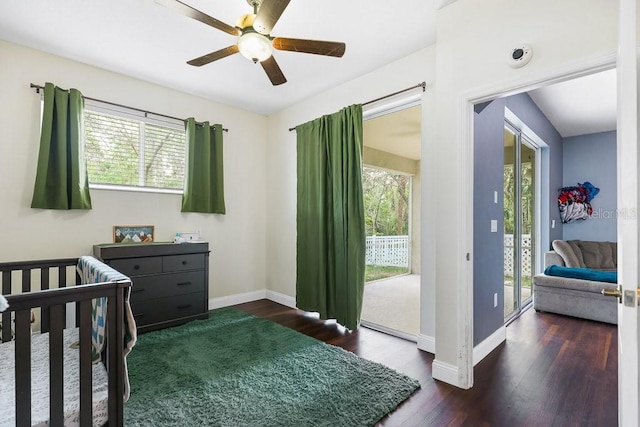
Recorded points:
(508, 298)
(394, 303)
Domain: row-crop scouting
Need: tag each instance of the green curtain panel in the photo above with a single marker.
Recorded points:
(61, 177)
(330, 217)
(204, 177)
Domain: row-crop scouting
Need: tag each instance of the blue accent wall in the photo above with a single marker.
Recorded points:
(488, 247)
(593, 158)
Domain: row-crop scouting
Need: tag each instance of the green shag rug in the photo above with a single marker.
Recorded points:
(235, 369)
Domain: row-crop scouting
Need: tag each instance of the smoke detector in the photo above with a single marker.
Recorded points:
(520, 56)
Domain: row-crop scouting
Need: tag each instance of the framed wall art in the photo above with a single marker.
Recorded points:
(133, 233)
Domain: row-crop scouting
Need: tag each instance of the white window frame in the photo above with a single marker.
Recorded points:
(146, 118)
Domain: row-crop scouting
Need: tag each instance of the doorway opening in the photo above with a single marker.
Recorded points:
(391, 188)
(526, 147)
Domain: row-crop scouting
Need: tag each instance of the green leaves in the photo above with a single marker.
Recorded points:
(386, 202)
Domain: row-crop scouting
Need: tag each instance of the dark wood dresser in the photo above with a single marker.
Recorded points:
(170, 281)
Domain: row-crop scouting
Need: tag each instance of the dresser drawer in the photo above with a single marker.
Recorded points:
(183, 262)
(163, 285)
(137, 266)
(168, 308)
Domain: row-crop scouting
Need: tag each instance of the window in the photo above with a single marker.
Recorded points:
(127, 148)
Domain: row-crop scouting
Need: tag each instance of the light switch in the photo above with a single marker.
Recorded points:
(553, 223)
(494, 225)
(495, 300)
(495, 197)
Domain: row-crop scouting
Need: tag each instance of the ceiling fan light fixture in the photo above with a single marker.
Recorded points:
(255, 46)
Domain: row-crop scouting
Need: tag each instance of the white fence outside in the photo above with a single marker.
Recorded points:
(387, 251)
(394, 251)
(526, 254)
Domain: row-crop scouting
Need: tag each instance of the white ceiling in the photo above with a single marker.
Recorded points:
(580, 106)
(575, 107)
(397, 133)
(143, 39)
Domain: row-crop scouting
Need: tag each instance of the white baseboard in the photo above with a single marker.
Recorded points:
(489, 344)
(236, 299)
(447, 373)
(252, 296)
(281, 298)
(427, 343)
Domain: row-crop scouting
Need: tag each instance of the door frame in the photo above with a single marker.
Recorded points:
(374, 111)
(525, 136)
(466, 102)
(542, 185)
(628, 227)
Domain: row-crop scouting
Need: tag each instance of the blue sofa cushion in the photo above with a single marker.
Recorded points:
(582, 273)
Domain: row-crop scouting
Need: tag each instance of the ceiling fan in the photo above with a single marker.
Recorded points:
(254, 39)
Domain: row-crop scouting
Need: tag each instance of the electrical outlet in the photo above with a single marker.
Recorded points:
(494, 225)
(495, 300)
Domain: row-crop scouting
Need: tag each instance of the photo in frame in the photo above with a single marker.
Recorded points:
(133, 233)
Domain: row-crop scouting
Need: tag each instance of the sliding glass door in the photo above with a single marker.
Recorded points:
(519, 220)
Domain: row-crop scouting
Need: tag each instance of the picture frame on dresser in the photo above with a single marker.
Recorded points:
(133, 233)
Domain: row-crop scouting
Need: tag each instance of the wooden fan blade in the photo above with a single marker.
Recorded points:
(214, 56)
(268, 14)
(273, 70)
(317, 47)
(190, 12)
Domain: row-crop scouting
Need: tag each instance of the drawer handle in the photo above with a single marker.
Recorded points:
(138, 315)
(137, 290)
(183, 283)
(183, 306)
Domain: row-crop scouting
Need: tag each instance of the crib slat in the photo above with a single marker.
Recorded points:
(62, 283)
(6, 330)
(6, 316)
(62, 277)
(44, 311)
(85, 363)
(26, 281)
(56, 379)
(112, 358)
(23, 367)
(115, 343)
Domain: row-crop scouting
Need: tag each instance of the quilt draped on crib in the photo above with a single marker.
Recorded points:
(93, 271)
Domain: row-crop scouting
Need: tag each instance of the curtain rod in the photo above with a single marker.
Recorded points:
(423, 85)
(38, 88)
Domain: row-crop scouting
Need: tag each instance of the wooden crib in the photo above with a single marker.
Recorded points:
(51, 291)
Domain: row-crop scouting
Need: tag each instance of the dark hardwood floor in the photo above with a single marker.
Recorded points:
(552, 371)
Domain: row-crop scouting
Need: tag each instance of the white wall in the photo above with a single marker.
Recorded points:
(237, 239)
(281, 172)
(473, 42)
